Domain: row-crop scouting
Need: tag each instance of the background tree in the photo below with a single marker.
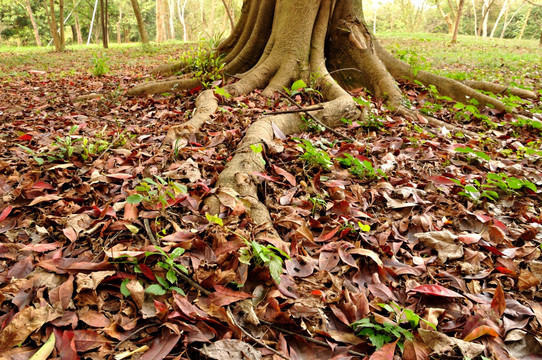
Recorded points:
(140, 23)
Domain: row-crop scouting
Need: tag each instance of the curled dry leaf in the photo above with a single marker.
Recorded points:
(444, 242)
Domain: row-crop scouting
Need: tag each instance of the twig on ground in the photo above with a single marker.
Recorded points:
(333, 131)
(315, 341)
(191, 282)
(149, 233)
(133, 334)
(293, 111)
(232, 318)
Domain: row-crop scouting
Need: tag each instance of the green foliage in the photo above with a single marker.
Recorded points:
(477, 154)
(371, 122)
(206, 65)
(362, 169)
(380, 334)
(99, 64)
(528, 123)
(172, 269)
(315, 157)
(317, 203)
(475, 191)
(157, 192)
(255, 253)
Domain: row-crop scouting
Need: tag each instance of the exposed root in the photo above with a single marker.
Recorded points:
(168, 69)
(206, 105)
(164, 86)
(500, 89)
(238, 174)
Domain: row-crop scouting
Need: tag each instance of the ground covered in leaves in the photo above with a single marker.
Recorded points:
(419, 243)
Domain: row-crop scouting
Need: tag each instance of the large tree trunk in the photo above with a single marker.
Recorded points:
(140, 23)
(160, 21)
(33, 21)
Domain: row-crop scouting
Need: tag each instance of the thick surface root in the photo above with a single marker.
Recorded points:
(164, 86)
(238, 174)
(206, 105)
(500, 89)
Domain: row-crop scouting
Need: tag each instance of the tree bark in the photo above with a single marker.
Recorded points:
(140, 23)
(229, 13)
(61, 24)
(458, 20)
(103, 18)
(77, 25)
(171, 13)
(33, 21)
(119, 27)
(520, 36)
(160, 21)
(475, 18)
(53, 27)
(501, 13)
(180, 12)
(446, 17)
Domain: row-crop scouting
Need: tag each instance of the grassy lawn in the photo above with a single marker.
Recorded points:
(504, 61)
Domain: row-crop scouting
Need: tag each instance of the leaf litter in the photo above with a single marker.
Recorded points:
(106, 249)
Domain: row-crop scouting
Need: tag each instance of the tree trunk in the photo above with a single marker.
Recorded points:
(103, 19)
(508, 21)
(53, 27)
(160, 21)
(446, 17)
(520, 36)
(229, 13)
(501, 13)
(33, 21)
(140, 23)
(475, 18)
(457, 20)
(119, 27)
(61, 24)
(180, 11)
(540, 41)
(77, 25)
(171, 13)
(487, 4)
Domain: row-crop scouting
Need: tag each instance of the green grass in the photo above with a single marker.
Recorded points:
(476, 58)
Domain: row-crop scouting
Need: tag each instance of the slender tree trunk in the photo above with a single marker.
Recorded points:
(211, 24)
(140, 23)
(119, 28)
(508, 21)
(33, 21)
(171, 12)
(53, 27)
(61, 24)
(180, 11)
(77, 25)
(103, 19)
(525, 22)
(487, 4)
(458, 20)
(446, 17)
(540, 41)
(229, 13)
(475, 18)
(501, 13)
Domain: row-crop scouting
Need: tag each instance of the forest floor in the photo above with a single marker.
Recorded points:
(419, 243)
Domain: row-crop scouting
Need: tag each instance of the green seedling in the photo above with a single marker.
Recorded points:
(99, 63)
(156, 192)
(206, 65)
(173, 268)
(477, 154)
(362, 169)
(315, 157)
(260, 255)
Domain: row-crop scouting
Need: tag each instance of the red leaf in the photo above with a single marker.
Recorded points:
(5, 212)
(469, 238)
(42, 185)
(147, 272)
(86, 340)
(25, 137)
(481, 331)
(505, 270)
(386, 352)
(415, 350)
(498, 303)
(436, 290)
(162, 346)
(289, 177)
(442, 180)
(65, 344)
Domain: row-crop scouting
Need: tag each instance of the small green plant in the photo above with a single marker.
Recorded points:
(66, 144)
(371, 122)
(380, 334)
(477, 154)
(206, 65)
(169, 283)
(315, 157)
(156, 192)
(317, 203)
(362, 169)
(528, 123)
(260, 255)
(299, 87)
(509, 184)
(99, 63)
(475, 191)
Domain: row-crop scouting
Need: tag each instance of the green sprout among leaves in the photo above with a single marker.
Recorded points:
(260, 255)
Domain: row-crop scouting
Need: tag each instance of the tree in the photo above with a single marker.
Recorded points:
(30, 13)
(103, 23)
(268, 52)
(140, 23)
(53, 26)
